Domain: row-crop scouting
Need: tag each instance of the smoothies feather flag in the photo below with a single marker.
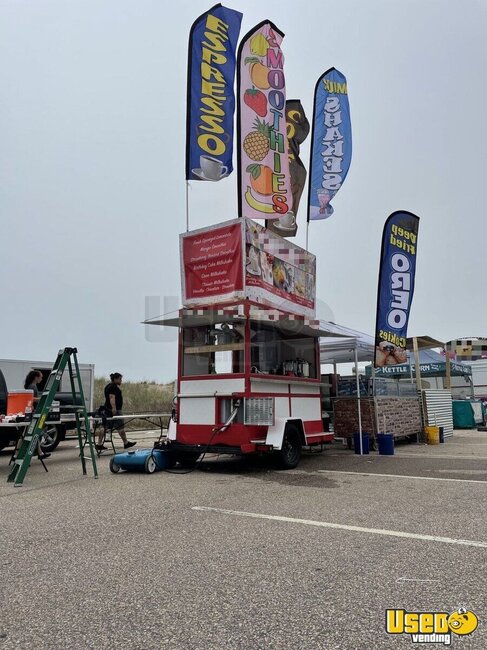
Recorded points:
(396, 287)
(263, 165)
(211, 98)
(331, 143)
(297, 131)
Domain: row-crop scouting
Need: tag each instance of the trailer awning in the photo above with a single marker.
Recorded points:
(286, 322)
(197, 317)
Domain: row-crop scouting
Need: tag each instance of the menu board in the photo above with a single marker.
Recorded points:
(242, 259)
(212, 264)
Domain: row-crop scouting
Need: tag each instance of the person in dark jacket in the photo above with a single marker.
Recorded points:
(33, 378)
(113, 407)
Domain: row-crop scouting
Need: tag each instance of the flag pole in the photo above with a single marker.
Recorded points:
(307, 231)
(187, 206)
(357, 379)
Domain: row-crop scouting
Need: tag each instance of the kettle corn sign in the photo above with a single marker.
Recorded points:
(431, 627)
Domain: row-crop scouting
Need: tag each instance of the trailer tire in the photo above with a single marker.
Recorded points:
(51, 437)
(114, 466)
(187, 459)
(150, 465)
(289, 455)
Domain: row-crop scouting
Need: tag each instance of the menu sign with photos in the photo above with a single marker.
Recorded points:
(278, 271)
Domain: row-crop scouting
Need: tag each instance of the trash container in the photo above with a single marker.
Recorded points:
(385, 442)
(442, 435)
(365, 443)
(432, 435)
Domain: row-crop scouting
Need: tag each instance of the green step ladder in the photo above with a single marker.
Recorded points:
(31, 437)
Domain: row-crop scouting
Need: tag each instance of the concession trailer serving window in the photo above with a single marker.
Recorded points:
(213, 349)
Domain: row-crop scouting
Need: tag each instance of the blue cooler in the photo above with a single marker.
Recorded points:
(385, 442)
(365, 443)
(142, 460)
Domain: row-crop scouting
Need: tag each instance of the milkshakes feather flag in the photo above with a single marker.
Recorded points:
(211, 98)
(263, 164)
(331, 143)
(396, 287)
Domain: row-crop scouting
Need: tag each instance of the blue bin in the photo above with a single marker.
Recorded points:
(365, 443)
(385, 442)
(442, 435)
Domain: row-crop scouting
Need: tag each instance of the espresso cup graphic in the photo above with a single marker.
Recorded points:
(212, 168)
(288, 221)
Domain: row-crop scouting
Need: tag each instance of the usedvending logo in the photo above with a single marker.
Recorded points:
(431, 627)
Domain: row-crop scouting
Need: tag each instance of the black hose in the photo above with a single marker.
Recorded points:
(215, 431)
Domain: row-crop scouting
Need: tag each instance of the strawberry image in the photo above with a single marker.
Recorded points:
(256, 100)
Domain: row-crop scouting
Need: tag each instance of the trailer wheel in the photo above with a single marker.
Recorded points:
(171, 460)
(150, 465)
(51, 437)
(187, 459)
(114, 466)
(289, 455)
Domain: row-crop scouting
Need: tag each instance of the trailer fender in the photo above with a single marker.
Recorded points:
(275, 433)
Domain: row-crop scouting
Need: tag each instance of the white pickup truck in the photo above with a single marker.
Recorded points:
(12, 376)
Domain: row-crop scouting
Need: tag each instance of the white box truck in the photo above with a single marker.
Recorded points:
(12, 376)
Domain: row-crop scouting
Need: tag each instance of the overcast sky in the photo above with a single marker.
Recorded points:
(92, 189)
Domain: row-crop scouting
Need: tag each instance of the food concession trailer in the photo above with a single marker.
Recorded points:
(248, 364)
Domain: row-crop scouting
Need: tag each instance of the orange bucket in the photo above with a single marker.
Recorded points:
(19, 400)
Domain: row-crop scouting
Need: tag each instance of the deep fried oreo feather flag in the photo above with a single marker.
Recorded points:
(331, 143)
(396, 287)
(211, 98)
(263, 164)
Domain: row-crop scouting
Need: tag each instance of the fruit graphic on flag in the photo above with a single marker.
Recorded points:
(263, 163)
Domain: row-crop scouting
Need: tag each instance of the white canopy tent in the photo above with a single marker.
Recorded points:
(346, 346)
(349, 346)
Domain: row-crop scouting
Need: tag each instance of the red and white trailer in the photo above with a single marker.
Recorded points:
(248, 364)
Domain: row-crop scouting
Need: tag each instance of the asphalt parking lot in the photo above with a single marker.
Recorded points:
(238, 555)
